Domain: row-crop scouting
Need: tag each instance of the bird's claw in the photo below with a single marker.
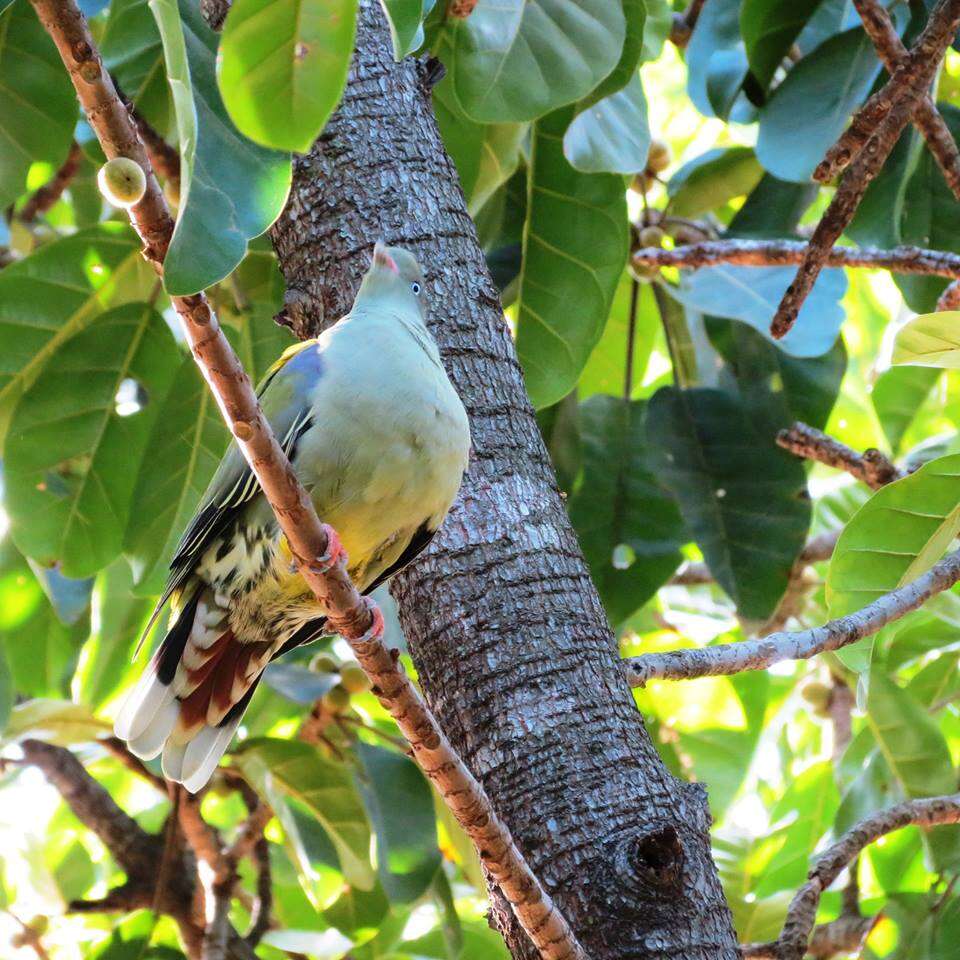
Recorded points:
(375, 630)
(333, 553)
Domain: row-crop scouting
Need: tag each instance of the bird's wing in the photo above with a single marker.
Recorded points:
(285, 397)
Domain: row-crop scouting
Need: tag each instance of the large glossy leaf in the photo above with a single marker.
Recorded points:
(713, 178)
(769, 28)
(778, 389)
(520, 59)
(73, 447)
(283, 65)
(751, 295)
(186, 442)
(231, 190)
(628, 526)
(405, 18)
(56, 721)
(58, 292)
(133, 54)
(287, 770)
(743, 501)
(401, 810)
(575, 246)
(902, 530)
(824, 88)
(897, 395)
(612, 135)
(916, 753)
(716, 59)
(38, 110)
(930, 340)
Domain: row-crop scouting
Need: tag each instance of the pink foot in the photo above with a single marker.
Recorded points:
(333, 553)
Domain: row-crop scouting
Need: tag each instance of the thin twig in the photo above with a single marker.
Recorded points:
(116, 747)
(950, 298)
(906, 87)
(872, 467)
(776, 253)
(729, 658)
(914, 77)
(879, 27)
(44, 198)
(354, 617)
(683, 23)
(794, 938)
(631, 338)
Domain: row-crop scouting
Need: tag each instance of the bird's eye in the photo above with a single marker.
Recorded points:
(415, 287)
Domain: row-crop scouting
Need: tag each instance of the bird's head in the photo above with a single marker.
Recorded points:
(394, 273)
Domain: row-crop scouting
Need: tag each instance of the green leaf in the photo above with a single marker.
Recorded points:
(629, 528)
(133, 54)
(809, 804)
(283, 65)
(751, 295)
(929, 340)
(824, 88)
(55, 721)
(287, 770)
(405, 18)
(58, 292)
(612, 135)
(575, 246)
(778, 389)
(73, 448)
(897, 395)
(773, 209)
(186, 442)
(900, 532)
(230, 189)
(712, 179)
(119, 616)
(401, 811)
(6, 692)
(769, 28)
(916, 753)
(521, 59)
(716, 59)
(38, 110)
(743, 500)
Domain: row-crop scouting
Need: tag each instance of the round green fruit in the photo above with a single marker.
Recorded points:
(122, 181)
(353, 678)
(658, 159)
(337, 699)
(651, 236)
(324, 663)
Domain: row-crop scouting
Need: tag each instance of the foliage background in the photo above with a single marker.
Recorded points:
(660, 417)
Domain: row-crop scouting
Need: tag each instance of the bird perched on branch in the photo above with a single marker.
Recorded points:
(379, 439)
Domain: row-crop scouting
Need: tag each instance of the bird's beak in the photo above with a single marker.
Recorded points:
(383, 259)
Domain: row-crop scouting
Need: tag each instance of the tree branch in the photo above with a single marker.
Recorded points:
(908, 81)
(871, 467)
(794, 940)
(356, 618)
(775, 253)
(759, 654)
(895, 104)
(117, 748)
(44, 198)
(879, 27)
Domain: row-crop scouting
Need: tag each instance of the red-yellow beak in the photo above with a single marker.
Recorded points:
(383, 259)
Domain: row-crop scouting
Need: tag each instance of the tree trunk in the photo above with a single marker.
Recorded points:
(504, 625)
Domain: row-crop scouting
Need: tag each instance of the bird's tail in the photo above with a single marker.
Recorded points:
(192, 695)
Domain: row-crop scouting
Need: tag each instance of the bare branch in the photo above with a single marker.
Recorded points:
(683, 23)
(775, 253)
(260, 919)
(116, 747)
(905, 89)
(879, 27)
(759, 654)
(871, 467)
(312, 544)
(950, 298)
(44, 198)
(909, 83)
(795, 936)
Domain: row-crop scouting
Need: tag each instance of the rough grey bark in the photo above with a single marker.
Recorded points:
(504, 624)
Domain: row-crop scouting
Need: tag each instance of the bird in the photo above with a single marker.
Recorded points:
(379, 438)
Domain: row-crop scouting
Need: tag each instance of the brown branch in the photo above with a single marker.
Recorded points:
(776, 253)
(871, 467)
(794, 940)
(683, 23)
(905, 89)
(950, 298)
(44, 198)
(356, 618)
(879, 27)
(117, 748)
(914, 77)
(260, 917)
(728, 658)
